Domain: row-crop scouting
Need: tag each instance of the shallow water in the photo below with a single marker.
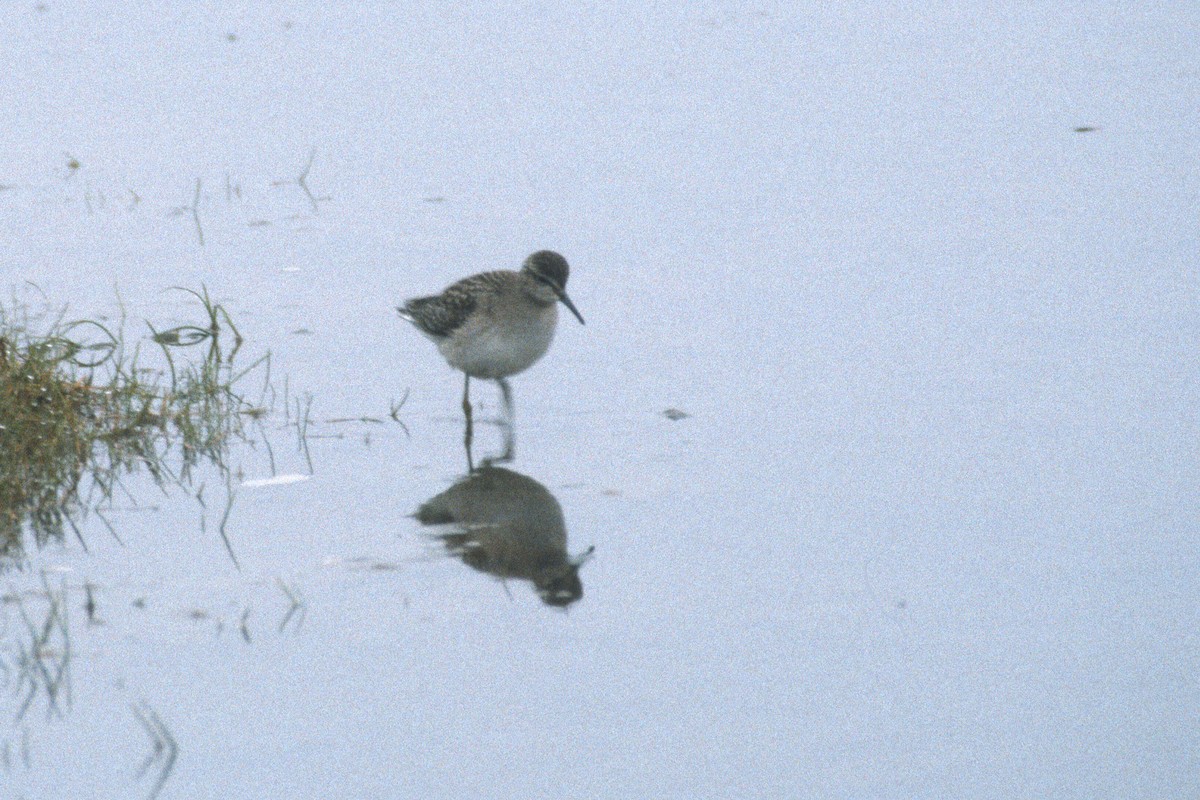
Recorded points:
(926, 529)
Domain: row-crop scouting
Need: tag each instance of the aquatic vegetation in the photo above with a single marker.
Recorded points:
(81, 408)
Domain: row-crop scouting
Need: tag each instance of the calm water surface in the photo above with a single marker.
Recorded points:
(927, 529)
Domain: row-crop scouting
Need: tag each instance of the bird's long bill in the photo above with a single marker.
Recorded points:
(566, 301)
(581, 559)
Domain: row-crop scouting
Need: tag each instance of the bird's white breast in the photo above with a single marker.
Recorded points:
(496, 345)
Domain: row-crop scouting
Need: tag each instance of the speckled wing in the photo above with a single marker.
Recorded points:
(442, 314)
(439, 315)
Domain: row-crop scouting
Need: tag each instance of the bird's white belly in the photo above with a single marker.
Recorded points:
(501, 348)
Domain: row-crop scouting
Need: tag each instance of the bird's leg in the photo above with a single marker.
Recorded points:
(466, 404)
(506, 394)
(510, 448)
(510, 443)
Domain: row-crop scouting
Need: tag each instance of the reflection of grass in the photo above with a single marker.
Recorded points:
(78, 411)
(41, 664)
(165, 749)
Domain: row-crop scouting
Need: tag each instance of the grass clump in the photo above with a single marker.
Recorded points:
(79, 410)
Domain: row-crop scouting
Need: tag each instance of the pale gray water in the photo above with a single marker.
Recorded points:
(928, 531)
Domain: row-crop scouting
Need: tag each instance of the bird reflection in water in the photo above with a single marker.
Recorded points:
(508, 525)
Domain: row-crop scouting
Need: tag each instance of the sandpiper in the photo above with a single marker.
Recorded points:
(495, 324)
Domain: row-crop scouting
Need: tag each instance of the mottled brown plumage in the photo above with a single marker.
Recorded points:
(495, 324)
(441, 314)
